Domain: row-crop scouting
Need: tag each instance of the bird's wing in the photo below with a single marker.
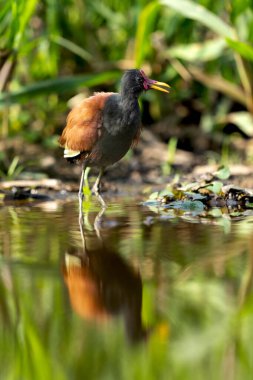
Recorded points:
(84, 125)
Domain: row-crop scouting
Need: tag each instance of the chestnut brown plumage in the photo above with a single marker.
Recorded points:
(100, 131)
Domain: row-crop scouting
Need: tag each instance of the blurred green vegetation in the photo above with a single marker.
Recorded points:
(51, 49)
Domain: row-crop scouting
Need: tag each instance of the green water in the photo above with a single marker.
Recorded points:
(138, 295)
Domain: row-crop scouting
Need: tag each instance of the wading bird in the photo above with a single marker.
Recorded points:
(101, 130)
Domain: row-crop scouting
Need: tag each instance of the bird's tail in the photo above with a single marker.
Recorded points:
(69, 153)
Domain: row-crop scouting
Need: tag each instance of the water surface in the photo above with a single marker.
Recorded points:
(135, 294)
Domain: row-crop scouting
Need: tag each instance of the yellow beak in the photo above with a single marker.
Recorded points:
(160, 86)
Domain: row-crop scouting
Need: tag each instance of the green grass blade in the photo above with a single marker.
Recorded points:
(199, 13)
(4, 10)
(145, 27)
(13, 166)
(57, 85)
(23, 13)
(71, 46)
(244, 49)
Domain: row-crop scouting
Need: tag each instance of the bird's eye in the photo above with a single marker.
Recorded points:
(140, 81)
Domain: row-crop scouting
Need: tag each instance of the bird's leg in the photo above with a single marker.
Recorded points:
(80, 193)
(84, 178)
(86, 175)
(96, 186)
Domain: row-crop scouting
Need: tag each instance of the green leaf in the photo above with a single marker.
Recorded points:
(244, 49)
(195, 196)
(154, 195)
(57, 85)
(215, 213)
(199, 13)
(222, 173)
(206, 51)
(190, 186)
(166, 193)
(215, 187)
(195, 206)
(240, 6)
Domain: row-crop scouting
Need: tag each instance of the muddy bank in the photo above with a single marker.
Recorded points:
(148, 164)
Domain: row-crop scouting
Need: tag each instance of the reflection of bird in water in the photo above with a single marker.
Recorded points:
(101, 285)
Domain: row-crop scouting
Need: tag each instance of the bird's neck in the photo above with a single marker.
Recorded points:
(130, 110)
(129, 100)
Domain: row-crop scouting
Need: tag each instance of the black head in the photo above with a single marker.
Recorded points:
(135, 81)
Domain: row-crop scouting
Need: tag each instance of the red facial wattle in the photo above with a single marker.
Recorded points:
(145, 85)
(153, 84)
